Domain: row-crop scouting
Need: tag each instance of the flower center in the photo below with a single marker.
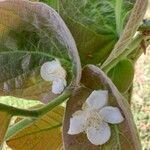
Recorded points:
(93, 119)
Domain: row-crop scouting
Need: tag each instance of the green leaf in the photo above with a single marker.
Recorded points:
(130, 29)
(93, 48)
(97, 15)
(52, 3)
(122, 75)
(44, 133)
(31, 34)
(93, 25)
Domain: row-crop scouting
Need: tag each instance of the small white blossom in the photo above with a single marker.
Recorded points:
(94, 117)
(54, 72)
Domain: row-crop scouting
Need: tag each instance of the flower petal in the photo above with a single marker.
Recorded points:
(77, 123)
(58, 86)
(111, 115)
(97, 99)
(99, 135)
(48, 68)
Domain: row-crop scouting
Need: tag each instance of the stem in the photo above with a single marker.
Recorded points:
(39, 112)
(57, 101)
(132, 46)
(118, 11)
(117, 136)
(17, 111)
(18, 127)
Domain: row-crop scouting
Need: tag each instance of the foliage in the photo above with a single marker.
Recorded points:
(97, 25)
(102, 33)
(28, 43)
(119, 73)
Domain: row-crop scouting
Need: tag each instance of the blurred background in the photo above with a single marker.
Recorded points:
(141, 95)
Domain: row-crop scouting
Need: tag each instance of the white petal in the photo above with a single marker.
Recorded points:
(111, 115)
(53, 70)
(77, 123)
(60, 72)
(97, 99)
(99, 135)
(48, 69)
(58, 86)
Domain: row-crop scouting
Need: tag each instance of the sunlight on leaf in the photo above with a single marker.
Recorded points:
(44, 133)
(18, 102)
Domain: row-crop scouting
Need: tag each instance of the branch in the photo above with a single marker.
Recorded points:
(36, 112)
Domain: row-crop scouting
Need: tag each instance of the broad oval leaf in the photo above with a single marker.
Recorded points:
(43, 134)
(94, 25)
(123, 136)
(93, 48)
(122, 75)
(99, 16)
(31, 34)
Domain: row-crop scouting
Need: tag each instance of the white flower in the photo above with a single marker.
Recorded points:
(54, 72)
(94, 117)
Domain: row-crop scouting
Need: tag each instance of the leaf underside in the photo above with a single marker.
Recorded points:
(32, 33)
(43, 134)
(123, 136)
(126, 132)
